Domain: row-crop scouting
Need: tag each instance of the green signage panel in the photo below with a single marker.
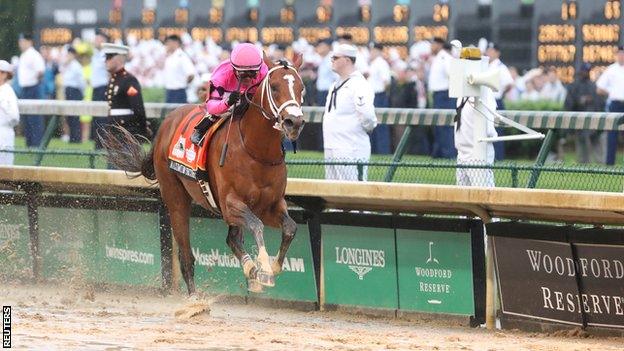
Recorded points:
(435, 272)
(217, 270)
(118, 247)
(296, 282)
(63, 243)
(126, 248)
(359, 266)
(15, 257)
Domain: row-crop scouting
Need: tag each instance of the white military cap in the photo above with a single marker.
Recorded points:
(108, 48)
(5, 66)
(345, 50)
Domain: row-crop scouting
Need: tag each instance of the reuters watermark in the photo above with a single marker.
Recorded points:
(6, 327)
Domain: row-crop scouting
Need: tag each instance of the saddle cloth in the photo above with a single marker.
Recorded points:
(189, 159)
(185, 157)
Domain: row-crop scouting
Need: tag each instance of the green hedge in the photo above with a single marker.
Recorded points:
(527, 149)
(538, 105)
(153, 95)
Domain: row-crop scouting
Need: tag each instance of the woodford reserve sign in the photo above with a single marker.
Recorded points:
(561, 282)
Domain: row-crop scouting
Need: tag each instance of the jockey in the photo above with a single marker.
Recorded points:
(243, 71)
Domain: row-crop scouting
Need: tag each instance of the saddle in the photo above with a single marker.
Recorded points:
(185, 157)
(189, 159)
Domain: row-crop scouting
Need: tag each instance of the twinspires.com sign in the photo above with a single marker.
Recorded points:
(538, 279)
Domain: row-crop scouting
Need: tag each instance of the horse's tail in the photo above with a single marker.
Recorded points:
(125, 151)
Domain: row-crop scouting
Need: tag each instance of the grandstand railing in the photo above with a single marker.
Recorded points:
(598, 121)
(393, 116)
(506, 174)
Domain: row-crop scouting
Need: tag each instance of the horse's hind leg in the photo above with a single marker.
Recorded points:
(289, 229)
(178, 203)
(239, 214)
(235, 242)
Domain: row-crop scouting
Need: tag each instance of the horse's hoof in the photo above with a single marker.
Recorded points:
(249, 268)
(266, 278)
(254, 286)
(197, 296)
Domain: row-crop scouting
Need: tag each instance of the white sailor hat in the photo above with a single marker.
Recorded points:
(345, 50)
(108, 48)
(5, 66)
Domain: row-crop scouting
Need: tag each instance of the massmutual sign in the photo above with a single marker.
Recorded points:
(548, 281)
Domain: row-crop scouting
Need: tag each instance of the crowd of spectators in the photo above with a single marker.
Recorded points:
(397, 81)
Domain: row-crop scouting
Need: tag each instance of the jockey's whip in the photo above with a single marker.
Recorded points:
(227, 136)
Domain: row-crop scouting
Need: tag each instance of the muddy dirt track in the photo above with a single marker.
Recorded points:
(64, 318)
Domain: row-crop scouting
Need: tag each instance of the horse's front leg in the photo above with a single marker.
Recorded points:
(238, 214)
(289, 229)
(236, 243)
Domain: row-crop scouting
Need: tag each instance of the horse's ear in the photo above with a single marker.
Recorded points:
(297, 60)
(267, 60)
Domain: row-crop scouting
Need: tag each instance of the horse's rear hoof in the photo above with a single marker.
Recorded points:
(254, 286)
(266, 278)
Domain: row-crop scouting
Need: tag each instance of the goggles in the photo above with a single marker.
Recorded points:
(247, 73)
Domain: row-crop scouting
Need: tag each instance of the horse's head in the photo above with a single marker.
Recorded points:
(282, 94)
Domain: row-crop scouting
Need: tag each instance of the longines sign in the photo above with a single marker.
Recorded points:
(538, 279)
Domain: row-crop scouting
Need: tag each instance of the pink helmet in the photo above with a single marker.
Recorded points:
(246, 57)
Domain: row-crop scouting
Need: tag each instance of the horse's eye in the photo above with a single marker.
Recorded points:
(273, 88)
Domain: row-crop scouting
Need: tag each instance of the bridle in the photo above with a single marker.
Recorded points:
(274, 114)
(265, 89)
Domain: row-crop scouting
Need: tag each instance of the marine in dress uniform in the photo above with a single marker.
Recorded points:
(124, 92)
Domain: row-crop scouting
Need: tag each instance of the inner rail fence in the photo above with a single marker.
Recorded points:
(389, 169)
(506, 174)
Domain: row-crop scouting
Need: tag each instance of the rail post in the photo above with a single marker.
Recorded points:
(166, 250)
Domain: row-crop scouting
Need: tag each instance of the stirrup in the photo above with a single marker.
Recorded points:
(197, 137)
(199, 133)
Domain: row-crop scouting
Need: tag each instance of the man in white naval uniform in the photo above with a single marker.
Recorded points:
(349, 117)
(9, 114)
(465, 144)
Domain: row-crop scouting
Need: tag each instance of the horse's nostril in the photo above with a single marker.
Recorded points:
(288, 123)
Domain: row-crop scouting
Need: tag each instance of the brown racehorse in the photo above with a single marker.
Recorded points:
(248, 189)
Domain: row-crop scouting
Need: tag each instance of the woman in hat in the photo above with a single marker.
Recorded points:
(9, 115)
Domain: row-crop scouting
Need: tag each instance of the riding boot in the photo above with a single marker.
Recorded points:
(201, 128)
